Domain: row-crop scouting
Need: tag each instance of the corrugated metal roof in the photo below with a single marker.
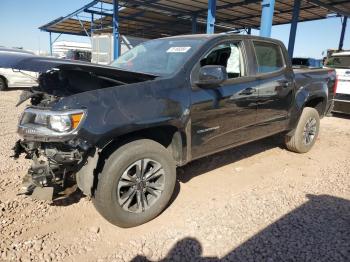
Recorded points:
(158, 18)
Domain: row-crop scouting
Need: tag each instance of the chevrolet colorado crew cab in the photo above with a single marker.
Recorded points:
(120, 131)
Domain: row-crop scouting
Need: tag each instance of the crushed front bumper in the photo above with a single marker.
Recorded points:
(53, 165)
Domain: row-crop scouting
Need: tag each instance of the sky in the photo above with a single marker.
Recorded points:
(20, 19)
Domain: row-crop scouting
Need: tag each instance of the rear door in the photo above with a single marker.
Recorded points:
(275, 89)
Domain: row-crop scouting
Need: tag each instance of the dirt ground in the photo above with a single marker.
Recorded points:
(258, 202)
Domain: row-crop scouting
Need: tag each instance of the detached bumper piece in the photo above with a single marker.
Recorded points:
(52, 170)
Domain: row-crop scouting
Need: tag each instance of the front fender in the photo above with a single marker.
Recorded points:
(112, 112)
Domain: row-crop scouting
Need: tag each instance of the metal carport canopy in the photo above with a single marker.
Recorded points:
(158, 18)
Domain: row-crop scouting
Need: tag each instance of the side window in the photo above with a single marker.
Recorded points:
(269, 57)
(228, 55)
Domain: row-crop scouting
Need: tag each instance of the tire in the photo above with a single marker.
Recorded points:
(118, 171)
(3, 84)
(306, 132)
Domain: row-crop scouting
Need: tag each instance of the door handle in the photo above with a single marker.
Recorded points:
(248, 91)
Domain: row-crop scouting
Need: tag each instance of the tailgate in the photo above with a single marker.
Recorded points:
(343, 86)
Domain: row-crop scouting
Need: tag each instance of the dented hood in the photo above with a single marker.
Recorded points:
(29, 62)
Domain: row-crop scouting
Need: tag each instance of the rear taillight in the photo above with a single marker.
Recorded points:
(335, 86)
(332, 75)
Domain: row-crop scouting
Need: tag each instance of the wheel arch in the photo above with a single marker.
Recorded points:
(169, 136)
(304, 99)
(172, 138)
(317, 102)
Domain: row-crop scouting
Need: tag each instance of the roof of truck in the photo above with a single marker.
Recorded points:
(221, 35)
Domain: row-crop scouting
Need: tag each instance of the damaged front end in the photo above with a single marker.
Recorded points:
(53, 167)
(52, 130)
(49, 140)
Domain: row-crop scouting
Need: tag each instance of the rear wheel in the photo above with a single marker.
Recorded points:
(306, 132)
(3, 84)
(136, 183)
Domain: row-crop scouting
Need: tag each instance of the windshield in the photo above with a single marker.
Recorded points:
(158, 57)
(338, 62)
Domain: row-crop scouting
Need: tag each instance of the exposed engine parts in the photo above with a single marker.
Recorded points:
(36, 97)
(53, 164)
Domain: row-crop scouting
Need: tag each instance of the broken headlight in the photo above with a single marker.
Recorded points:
(62, 122)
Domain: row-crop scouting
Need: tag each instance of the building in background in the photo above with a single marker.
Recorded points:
(41, 52)
(103, 46)
(61, 48)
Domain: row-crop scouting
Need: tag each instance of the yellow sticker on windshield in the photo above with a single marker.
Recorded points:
(178, 49)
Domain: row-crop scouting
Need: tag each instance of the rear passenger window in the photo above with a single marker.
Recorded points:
(269, 57)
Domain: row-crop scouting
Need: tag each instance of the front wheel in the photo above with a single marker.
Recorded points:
(306, 132)
(136, 183)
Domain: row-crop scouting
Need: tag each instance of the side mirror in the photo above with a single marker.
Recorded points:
(211, 76)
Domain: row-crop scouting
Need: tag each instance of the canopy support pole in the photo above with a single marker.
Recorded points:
(92, 24)
(293, 28)
(194, 23)
(211, 16)
(116, 36)
(50, 34)
(342, 35)
(268, 7)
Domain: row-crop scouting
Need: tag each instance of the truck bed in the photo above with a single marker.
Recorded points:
(314, 79)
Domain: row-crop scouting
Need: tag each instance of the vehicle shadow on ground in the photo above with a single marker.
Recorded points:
(318, 230)
(212, 162)
(70, 196)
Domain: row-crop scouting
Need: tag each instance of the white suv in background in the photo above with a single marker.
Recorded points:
(341, 63)
(16, 79)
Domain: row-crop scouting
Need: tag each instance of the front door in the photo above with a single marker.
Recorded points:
(223, 116)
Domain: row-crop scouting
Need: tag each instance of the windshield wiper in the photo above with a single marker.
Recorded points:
(112, 80)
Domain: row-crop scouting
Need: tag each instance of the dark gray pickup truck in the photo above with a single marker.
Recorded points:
(120, 131)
